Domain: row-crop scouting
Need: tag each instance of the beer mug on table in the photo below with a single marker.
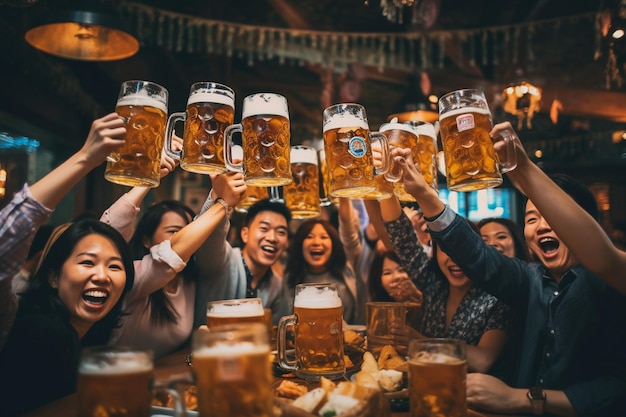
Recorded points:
(471, 160)
(266, 142)
(302, 196)
(317, 322)
(241, 310)
(378, 318)
(210, 109)
(231, 368)
(143, 105)
(437, 377)
(348, 150)
(118, 382)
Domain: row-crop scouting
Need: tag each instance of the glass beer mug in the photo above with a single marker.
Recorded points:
(348, 151)
(241, 310)
(317, 321)
(302, 196)
(210, 109)
(118, 382)
(266, 136)
(471, 160)
(143, 105)
(232, 371)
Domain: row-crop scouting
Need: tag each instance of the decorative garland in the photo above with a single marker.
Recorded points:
(408, 51)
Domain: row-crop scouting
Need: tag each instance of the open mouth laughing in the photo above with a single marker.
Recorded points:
(95, 297)
(549, 245)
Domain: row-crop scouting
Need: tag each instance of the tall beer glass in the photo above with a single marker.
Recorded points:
(471, 160)
(143, 105)
(347, 145)
(302, 196)
(266, 139)
(116, 382)
(437, 378)
(210, 109)
(242, 310)
(231, 368)
(318, 322)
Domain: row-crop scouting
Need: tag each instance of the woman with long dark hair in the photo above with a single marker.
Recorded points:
(74, 300)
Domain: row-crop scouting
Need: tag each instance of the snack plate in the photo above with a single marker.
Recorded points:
(156, 411)
(399, 400)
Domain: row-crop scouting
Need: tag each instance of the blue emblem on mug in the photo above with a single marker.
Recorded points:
(357, 147)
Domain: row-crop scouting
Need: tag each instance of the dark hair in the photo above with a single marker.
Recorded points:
(161, 309)
(296, 268)
(40, 239)
(40, 296)
(521, 250)
(578, 191)
(375, 283)
(267, 205)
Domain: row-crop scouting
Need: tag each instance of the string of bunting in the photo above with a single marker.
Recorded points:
(184, 33)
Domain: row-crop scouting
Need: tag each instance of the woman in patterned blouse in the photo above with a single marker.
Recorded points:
(452, 307)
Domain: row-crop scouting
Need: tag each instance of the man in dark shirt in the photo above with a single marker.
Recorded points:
(572, 361)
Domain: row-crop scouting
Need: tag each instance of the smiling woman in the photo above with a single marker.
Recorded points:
(74, 300)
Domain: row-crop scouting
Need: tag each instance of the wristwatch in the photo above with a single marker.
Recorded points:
(537, 399)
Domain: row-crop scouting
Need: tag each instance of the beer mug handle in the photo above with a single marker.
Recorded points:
(179, 404)
(510, 161)
(282, 343)
(169, 130)
(384, 150)
(228, 147)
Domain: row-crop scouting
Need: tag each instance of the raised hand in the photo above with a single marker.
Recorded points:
(106, 135)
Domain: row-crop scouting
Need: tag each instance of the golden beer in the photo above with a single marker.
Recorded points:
(427, 154)
(144, 110)
(210, 109)
(318, 333)
(471, 160)
(266, 137)
(384, 189)
(232, 372)
(245, 310)
(437, 387)
(348, 151)
(115, 386)
(302, 196)
(253, 195)
(324, 180)
(379, 316)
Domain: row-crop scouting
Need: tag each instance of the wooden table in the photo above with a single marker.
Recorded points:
(167, 368)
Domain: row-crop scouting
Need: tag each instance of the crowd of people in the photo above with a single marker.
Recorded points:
(539, 306)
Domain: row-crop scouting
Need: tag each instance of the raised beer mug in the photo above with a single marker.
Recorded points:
(325, 198)
(317, 322)
(232, 371)
(471, 160)
(437, 377)
(118, 382)
(210, 109)
(302, 196)
(143, 105)
(266, 136)
(347, 145)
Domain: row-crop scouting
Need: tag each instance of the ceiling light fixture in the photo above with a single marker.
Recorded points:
(522, 100)
(86, 35)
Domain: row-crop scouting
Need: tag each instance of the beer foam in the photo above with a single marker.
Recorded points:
(313, 297)
(345, 120)
(301, 154)
(463, 110)
(399, 126)
(235, 309)
(141, 99)
(265, 103)
(211, 96)
(229, 349)
(427, 129)
(436, 357)
(119, 365)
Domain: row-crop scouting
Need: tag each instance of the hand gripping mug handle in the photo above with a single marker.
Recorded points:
(281, 344)
(509, 162)
(384, 150)
(171, 122)
(228, 147)
(179, 409)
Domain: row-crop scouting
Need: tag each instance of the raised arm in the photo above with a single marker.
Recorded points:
(582, 234)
